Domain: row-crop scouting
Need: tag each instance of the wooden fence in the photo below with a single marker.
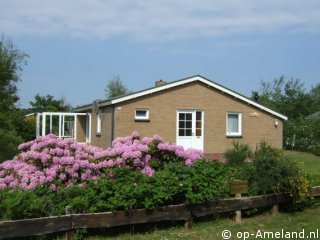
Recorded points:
(183, 212)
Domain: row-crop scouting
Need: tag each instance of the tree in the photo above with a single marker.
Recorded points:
(48, 104)
(12, 61)
(315, 96)
(115, 88)
(289, 97)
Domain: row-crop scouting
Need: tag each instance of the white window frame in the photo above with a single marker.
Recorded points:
(234, 134)
(99, 123)
(142, 118)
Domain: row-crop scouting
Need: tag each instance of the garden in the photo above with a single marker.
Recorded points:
(137, 172)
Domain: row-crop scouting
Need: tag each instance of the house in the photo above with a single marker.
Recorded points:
(193, 112)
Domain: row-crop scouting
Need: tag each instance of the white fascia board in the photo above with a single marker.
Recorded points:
(238, 96)
(63, 113)
(154, 90)
(205, 81)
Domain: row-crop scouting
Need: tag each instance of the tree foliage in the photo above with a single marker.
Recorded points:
(12, 61)
(49, 104)
(115, 88)
(289, 97)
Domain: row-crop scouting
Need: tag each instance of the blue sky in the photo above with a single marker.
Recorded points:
(76, 47)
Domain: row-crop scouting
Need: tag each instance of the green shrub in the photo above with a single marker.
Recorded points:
(316, 150)
(20, 204)
(207, 181)
(274, 172)
(202, 181)
(122, 189)
(238, 154)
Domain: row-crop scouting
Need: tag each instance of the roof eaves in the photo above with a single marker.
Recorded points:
(203, 80)
(178, 83)
(243, 98)
(88, 107)
(155, 89)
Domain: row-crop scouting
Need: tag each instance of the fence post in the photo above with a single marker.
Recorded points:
(275, 209)
(237, 216)
(69, 234)
(238, 187)
(188, 224)
(189, 221)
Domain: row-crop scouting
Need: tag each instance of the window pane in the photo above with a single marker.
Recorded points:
(198, 124)
(141, 113)
(182, 116)
(198, 132)
(188, 124)
(233, 123)
(188, 132)
(181, 132)
(198, 116)
(182, 124)
(188, 116)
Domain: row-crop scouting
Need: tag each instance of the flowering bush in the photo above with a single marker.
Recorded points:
(63, 162)
(176, 183)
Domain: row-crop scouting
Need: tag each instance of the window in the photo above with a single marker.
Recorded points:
(185, 124)
(142, 115)
(234, 124)
(99, 123)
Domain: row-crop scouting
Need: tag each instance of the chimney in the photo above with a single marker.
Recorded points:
(160, 83)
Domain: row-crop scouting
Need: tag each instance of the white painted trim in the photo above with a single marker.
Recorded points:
(43, 124)
(238, 96)
(89, 127)
(234, 134)
(99, 123)
(60, 117)
(194, 128)
(75, 127)
(62, 121)
(189, 80)
(38, 124)
(153, 90)
(147, 117)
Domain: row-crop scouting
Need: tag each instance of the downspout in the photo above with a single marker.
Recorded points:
(112, 123)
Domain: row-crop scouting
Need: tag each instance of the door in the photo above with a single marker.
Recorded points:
(190, 129)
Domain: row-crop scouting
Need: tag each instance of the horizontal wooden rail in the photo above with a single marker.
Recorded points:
(183, 212)
(233, 204)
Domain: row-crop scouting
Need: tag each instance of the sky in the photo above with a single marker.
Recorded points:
(76, 47)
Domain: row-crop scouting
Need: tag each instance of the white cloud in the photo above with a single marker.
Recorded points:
(159, 20)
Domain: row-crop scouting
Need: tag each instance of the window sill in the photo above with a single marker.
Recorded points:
(234, 136)
(142, 120)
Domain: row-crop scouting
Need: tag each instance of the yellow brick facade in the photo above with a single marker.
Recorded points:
(257, 125)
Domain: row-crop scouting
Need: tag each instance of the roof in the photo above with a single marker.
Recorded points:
(199, 78)
(313, 115)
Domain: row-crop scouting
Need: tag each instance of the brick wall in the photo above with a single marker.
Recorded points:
(215, 104)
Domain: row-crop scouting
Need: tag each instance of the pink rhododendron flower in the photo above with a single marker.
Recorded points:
(63, 162)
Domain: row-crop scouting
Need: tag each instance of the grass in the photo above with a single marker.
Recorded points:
(311, 164)
(290, 222)
(311, 161)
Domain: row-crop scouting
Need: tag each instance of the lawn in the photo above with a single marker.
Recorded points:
(311, 161)
(308, 220)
